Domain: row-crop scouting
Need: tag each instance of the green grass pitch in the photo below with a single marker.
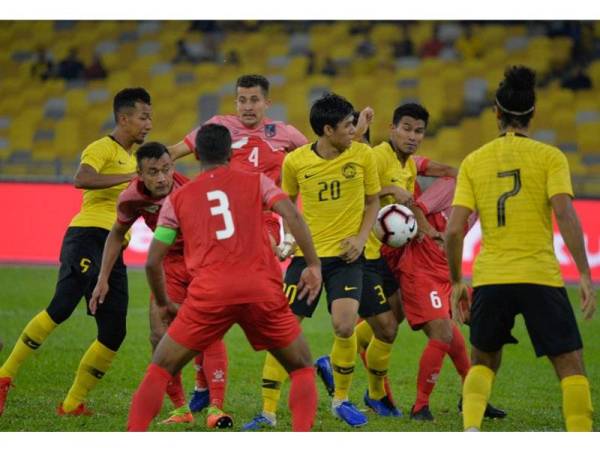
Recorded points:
(526, 387)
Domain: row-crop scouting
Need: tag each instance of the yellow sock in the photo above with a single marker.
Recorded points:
(343, 357)
(92, 368)
(378, 362)
(34, 334)
(476, 393)
(273, 376)
(364, 333)
(577, 403)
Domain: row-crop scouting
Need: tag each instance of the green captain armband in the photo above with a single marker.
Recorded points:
(166, 235)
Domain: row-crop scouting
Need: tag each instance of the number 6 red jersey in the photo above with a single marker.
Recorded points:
(226, 245)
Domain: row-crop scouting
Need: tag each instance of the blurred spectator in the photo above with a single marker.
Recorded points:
(365, 48)
(469, 45)
(329, 68)
(433, 46)
(311, 66)
(404, 46)
(43, 66)
(71, 68)
(183, 53)
(577, 80)
(232, 58)
(96, 70)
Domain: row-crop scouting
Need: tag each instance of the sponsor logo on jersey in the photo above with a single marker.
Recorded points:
(270, 130)
(152, 208)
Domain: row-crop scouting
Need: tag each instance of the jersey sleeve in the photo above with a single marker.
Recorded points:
(296, 138)
(126, 213)
(559, 177)
(464, 195)
(168, 217)
(96, 156)
(270, 193)
(289, 181)
(372, 185)
(422, 164)
(438, 197)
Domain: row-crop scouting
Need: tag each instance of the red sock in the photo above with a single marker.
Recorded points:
(148, 398)
(303, 398)
(215, 371)
(363, 358)
(429, 370)
(388, 389)
(201, 382)
(175, 391)
(458, 352)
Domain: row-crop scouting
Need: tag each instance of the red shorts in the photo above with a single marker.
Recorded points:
(424, 299)
(273, 224)
(177, 278)
(267, 325)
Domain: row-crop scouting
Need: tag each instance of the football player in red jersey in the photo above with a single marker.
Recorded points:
(225, 259)
(144, 197)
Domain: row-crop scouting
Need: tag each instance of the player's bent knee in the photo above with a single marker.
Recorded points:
(343, 329)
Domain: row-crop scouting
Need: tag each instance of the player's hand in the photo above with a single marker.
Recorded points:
(352, 248)
(460, 302)
(588, 297)
(310, 283)
(402, 196)
(98, 295)
(168, 312)
(286, 247)
(364, 121)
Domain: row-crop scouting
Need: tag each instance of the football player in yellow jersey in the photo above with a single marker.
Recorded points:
(107, 165)
(337, 179)
(515, 183)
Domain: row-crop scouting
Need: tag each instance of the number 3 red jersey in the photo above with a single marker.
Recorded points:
(226, 245)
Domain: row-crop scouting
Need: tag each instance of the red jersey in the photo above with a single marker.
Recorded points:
(135, 202)
(226, 245)
(261, 149)
(436, 203)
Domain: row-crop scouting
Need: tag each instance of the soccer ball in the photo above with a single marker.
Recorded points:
(395, 225)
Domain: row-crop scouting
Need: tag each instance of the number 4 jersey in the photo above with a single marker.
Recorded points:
(509, 182)
(226, 246)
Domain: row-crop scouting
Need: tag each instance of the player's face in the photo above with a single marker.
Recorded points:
(251, 105)
(408, 134)
(137, 122)
(341, 136)
(157, 175)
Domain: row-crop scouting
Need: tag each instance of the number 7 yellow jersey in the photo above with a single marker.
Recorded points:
(509, 182)
(332, 190)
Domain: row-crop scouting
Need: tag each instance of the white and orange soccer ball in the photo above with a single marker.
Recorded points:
(395, 225)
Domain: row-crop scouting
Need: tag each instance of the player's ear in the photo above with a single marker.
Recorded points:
(496, 111)
(328, 130)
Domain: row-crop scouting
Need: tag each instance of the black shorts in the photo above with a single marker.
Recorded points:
(547, 312)
(340, 279)
(80, 259)
(378, 285)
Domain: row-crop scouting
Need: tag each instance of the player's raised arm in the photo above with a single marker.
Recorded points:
(570, 229)
(87, 177)
(179, 150)
(112, 249)
(436, 169)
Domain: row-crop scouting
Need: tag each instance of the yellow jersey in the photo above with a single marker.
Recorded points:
(392, 172)
(99, 206)
(333, 192)
(509, 182)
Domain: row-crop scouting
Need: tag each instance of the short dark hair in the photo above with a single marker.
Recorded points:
(150, 150)
(213, 144)
(330, 110)
(414, 110)
(515, 97)
(128, 97)
(249, 81)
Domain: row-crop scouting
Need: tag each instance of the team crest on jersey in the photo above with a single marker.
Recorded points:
(349, 170)
(270, 130)
(152, 208)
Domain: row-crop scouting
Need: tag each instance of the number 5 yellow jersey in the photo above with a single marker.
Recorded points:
(509, 182)
(332, 190)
